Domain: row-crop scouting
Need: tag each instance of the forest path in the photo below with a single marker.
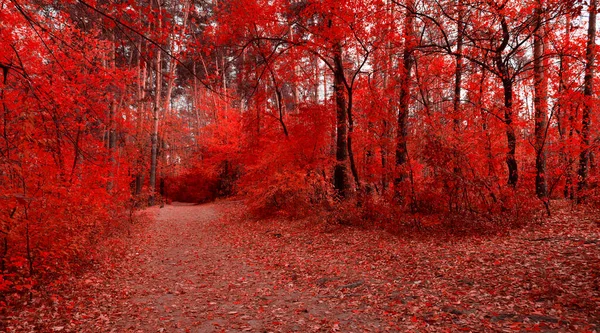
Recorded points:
(184, 273)
(212, 268)
(184, 278)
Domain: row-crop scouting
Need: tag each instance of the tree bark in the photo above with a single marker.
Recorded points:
(350, 132)
(154, 135)
(459, 68)
(404, 102)
(588, 92)
(511, 138)
(540, 105)
(340, 174)
(458, 85)
(507, 85)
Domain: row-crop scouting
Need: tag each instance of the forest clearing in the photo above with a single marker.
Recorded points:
(299, 166)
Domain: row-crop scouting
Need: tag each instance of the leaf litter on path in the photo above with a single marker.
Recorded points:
(208, 269)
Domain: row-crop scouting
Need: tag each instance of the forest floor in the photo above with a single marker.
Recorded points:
(206, 268)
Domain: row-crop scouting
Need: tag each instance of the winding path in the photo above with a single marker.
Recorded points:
(186, 274)
(193, 269)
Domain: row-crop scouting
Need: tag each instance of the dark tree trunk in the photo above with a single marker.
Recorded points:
(340, 175)
(154, 135)
(561, 117)
(350, 132)
(458, 86)
(540, 104)
(507, 85)
(511, 138)
(139, 182)
(459, 68)
(404, 103)
(588, 91)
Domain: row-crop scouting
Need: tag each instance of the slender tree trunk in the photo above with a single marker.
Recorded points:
(560, 110)
(511, 138)
(588, 92)
(350, 133)
(564, 114)
(507, 85)
(155, 120)
(368, 161)
(112, 135)
(459, 69)
(112, 143)
(142, 79)
(404, 102)
(484, 125)
(340, 174)
(390, 102)
(325, 87)
(540, 104)
(280, 105)
(28, 246)
(458, 89)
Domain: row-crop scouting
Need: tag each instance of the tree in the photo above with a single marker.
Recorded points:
(588, 92)
(540, 103)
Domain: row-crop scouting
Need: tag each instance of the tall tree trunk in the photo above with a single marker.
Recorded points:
(141, 115)
(458, 86)
(511, 138)
(280, 103)
(350, 133)
(340, 174)
(390, 104)
(459, 68)
(540, 104)
(112, 138)
(404, 101)
(507, 85)
(564, 113)
(368, 160)
(588, 92)
(154, 135)
(316, 79)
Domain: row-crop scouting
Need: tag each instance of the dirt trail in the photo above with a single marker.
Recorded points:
(183, 272)
(208, 268)
(191, 271)
(183, 275)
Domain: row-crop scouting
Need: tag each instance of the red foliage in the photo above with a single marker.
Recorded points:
(63, 188)
(388, 113)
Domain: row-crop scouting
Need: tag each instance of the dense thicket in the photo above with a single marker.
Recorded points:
(393, 111)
